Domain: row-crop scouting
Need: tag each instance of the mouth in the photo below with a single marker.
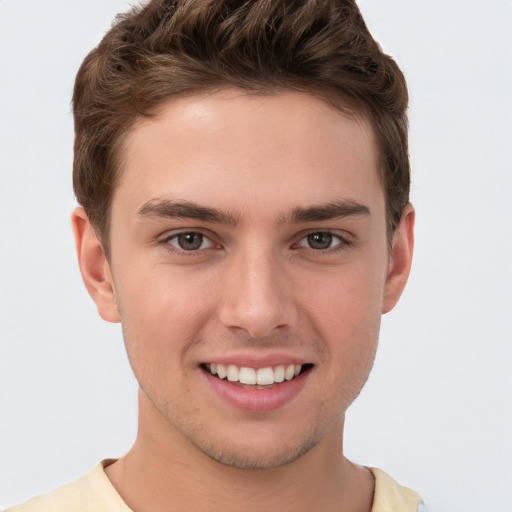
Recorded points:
(256, 378)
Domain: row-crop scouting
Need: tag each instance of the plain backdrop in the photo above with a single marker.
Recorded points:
(437, 411)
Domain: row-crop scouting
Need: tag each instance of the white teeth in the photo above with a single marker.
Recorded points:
(221, 371)
(233, 373)
(289, 373)
(249, 376)
(279, 374)
(265, 377)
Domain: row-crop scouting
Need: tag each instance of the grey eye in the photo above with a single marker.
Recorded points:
(321, 240)
(190, 241)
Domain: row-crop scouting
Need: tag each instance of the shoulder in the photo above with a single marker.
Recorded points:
(92, 492)
(389, 495)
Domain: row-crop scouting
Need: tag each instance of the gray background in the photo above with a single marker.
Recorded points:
(437, 411)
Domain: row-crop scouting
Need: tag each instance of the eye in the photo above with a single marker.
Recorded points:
(321, 240)
(190, 241)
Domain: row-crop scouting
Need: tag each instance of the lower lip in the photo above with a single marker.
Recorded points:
(257, 400)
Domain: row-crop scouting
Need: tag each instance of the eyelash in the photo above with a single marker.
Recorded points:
(343, 243)
(183, 252)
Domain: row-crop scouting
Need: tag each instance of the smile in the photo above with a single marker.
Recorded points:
(253, 389)
(256, 377)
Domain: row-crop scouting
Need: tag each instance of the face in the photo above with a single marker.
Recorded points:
(249, 269)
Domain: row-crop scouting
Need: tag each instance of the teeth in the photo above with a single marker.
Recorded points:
(250, 376)
(265, 376)
(221, 371)
(233, 373)
(289, 373)
(279, 374)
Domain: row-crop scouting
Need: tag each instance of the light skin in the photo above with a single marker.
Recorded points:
(247, 230)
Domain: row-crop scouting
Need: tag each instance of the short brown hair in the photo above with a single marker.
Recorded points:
(172, 47)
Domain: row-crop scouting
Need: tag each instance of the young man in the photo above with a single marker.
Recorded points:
(243, 177)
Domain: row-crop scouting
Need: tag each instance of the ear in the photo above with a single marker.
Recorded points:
(94, 266)
(400, 260)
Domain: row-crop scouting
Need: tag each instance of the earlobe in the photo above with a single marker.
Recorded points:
(94, 266)
(400, 260)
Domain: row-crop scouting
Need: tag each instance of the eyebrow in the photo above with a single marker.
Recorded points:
(327, 211)
(187, 210)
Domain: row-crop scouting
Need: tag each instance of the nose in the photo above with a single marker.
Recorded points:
(257, 298)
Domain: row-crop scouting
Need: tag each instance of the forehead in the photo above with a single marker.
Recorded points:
(249, 150)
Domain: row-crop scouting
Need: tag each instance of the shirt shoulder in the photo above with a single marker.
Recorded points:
(92, 492)
(390, 496)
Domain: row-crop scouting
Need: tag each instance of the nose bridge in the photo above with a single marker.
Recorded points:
(256, 295)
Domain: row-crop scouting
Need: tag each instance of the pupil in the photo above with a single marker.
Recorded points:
(190, 241)
(320, 240)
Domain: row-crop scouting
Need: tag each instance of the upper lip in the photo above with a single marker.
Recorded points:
(256, 360)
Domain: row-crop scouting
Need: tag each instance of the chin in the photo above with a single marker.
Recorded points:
(257, 457)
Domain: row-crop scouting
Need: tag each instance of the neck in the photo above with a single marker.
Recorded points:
(163, 471)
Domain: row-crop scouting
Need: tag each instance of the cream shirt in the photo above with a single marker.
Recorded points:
(94, 493)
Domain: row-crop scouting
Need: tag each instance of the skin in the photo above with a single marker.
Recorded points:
(257, 286)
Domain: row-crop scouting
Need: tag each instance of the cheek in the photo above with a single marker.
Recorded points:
(160, 296)
(162, 316)
(345, 313)
(349, 299)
